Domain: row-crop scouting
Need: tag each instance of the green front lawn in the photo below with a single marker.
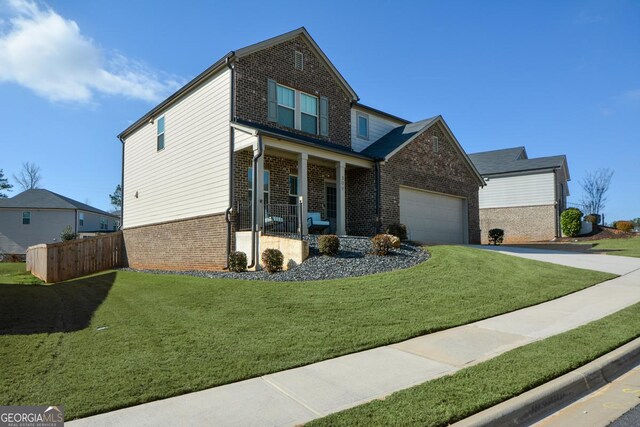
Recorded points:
(449, 399)
(167, 334)
(624, 247)
(14, 272)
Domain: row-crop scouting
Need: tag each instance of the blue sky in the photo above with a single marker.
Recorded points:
(556, 77)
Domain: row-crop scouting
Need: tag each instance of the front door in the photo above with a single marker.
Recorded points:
(331, 204)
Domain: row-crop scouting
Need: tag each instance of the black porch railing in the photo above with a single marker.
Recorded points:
(279, 219)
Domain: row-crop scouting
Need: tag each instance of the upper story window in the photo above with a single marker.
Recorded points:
(81, 219)
(297, 110)
(308, 113)
(160, 133)
(26, 218)
(363, 126)
(286, 106)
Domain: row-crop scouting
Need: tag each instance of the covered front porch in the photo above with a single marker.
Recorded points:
(301, 188)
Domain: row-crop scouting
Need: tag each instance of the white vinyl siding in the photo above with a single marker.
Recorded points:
(190, 177)
(378, 127)
(519, 190)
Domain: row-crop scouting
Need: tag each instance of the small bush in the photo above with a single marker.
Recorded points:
(570, 222)
(329, 244)
(592, 218)
(496, 236)
(395, 241)
(272, 260)
(381, 244)
(624, 225)
(237, 262)
(68, 234)
(398, 230)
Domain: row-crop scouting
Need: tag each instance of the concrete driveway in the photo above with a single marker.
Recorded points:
(608, 263)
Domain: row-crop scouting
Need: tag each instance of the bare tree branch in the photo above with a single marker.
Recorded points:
(29, 177)
(595, 186)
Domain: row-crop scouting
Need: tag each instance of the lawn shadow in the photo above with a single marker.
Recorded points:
(61, 307)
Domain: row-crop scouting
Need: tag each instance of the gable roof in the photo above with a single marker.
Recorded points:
(44, 199)
(226, 60)
(515, 159)
(396, 139)
(380, 112)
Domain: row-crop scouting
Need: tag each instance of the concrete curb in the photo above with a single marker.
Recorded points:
(542, 401)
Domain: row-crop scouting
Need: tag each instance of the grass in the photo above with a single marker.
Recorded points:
(15, 273)
(167, 335)
(623, 247)
(452, 398)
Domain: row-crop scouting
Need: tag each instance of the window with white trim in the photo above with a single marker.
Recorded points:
(363, 125)
(104, 223)
(293, 189)
(286, 106)
(160, 134)
(26, 218)
(81, 219)
(308, 113)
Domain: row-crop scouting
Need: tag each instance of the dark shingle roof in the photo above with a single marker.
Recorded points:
(396, 138)
(45, 199)
(512, 160)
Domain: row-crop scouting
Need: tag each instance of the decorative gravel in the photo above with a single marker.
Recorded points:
(353, 260)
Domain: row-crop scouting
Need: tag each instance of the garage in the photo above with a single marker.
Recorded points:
(433, 217)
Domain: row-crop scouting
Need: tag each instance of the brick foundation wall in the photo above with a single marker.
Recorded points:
(277, 63)
(520, 224)
(444, 171)
(190, 244)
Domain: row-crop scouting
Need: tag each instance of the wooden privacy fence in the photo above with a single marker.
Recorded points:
(55, 262)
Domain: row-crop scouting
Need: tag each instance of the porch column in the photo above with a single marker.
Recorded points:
(340, 199)
(258, 176)
(303, 189)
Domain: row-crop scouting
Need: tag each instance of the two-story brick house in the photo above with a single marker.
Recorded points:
(280, 108)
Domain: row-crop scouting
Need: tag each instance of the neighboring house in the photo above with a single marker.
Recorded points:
(280, 108)
(523, 196)
(39, 216)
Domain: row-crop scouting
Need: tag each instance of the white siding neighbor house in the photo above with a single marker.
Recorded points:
(39, 216)
(523, 196)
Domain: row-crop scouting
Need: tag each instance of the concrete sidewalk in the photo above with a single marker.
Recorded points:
(299, 395)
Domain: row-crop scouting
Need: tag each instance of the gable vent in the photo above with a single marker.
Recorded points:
(435, 143)
(299, 60)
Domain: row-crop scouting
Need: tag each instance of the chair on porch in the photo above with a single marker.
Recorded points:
(316, 224)
(272, 222)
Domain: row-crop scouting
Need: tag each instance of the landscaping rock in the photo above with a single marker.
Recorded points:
(352, 260)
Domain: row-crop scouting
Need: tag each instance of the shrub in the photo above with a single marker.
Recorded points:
(68, 234)
(381, 244)
(624, 225)
(592, 218)
(272, 260)
(237, 262)
(496, 236)
(398, 230)
(329, 244)
(395, 241)
(570, 222)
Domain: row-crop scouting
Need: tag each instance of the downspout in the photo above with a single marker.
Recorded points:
(254, 203)
(378, 191)
(227, 214)
(557, 205)
(76, 227)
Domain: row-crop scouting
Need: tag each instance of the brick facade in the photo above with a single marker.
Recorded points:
(361, 202)
(520, 224)
(191, 244)
(444, 171)
(277, 63)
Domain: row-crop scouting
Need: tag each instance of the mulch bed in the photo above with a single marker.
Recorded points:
(599, 232)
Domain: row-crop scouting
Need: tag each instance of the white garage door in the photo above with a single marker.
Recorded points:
(431, 217)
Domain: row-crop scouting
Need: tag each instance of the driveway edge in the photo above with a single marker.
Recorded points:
(546, 399)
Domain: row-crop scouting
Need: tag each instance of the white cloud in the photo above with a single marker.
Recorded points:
(47, 53)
